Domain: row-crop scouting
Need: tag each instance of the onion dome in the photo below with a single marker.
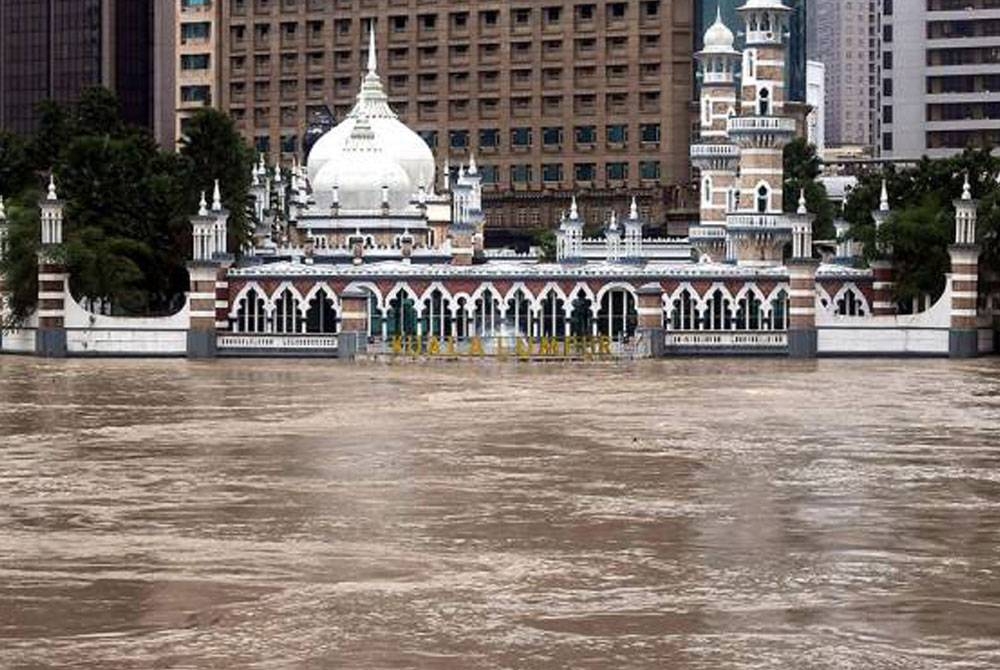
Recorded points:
(399, 143)
(365, 176)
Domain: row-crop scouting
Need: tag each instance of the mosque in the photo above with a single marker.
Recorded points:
(370, 250)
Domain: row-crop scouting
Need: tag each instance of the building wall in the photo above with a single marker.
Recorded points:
(845, 43)
(941, 77)
(553, 99)
(816, 99)
(54, 49)
(48, 49)
(196, 59)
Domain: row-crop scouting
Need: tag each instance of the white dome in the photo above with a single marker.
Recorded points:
(719, 38)
(404, 146)
(360, 173)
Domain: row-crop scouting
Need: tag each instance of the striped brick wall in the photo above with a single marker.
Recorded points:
(964, 287)
(52, 278)
(883, 284)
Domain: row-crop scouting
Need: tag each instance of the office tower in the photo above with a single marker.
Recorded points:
(844, 38)
(54, 49)
(196, 71)
(588, 97)
(940, 77)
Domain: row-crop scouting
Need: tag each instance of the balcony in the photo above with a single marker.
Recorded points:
(761, 124)
(758, 222)
(707, 233)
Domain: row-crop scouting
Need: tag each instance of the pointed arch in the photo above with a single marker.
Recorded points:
(851, 301)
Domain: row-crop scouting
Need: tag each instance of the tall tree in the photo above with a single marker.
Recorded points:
(802, 171)
(20, 264)
(212, 148)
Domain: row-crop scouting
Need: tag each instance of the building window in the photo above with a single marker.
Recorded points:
(586, 134)
(552, 173)
(763, 199)
(489, 138)
(195, 62)
(520, 174)
(617, 171)
(520, 137)
(585, 172)
(552, 137)
(458, 139)
(617, 134)
(430, 137)
(650, 133)
(649, 170)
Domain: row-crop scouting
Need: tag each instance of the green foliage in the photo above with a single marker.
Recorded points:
(545, 240)
(20, 264)
(15, 169)
(919, 237)
(213, 149)
(802, 170)
(128, 203)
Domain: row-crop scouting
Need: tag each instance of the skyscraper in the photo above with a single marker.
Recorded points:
(53, 49)
(844, 37)
(940, 78)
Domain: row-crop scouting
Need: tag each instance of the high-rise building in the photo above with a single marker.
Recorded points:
(940, 77)
(588, 97)
(705, 13)
(53, 49)
(196, 69)
(844, 37)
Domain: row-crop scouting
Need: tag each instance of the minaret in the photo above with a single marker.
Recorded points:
(50, 339)
(963, 341)
(803, 340)
(613, 239)
(569, 239)
(633, 234)
(716, 157)
(207, 273)
(758, 231)
(883, 273)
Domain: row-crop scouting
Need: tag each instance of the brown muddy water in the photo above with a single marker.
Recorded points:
(678, 514)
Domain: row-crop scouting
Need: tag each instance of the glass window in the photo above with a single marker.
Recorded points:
(617, 171)
(489, 138)
(617, 134)
(458, 139)
(552, 173)
(586, 134)
(520, 137)
(650, 132)
(585, 171)
(520, 174)
(552, 137)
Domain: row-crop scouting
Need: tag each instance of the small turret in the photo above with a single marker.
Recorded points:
(966, 215)
(52, 216)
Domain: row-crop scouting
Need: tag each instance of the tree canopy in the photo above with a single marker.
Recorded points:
(128, 202)
(921, 225)
(802, 170)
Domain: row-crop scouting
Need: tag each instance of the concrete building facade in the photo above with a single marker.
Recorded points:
(844, 37)
(54, 49)
(940, 77)
(570, 96)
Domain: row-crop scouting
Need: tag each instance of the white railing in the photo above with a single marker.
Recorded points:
(757, 221)
(707, 232)
(715, 151)
(727, 339)
(278, 342)
(761, 124)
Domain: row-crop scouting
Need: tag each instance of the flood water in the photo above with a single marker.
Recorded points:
(678, 514)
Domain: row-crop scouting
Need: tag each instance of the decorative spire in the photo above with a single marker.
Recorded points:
(446, 175)
(802, 202)
(52, 188)
(966, 188)
(216, 198)
(883, 204)
(473, 169)
(203, 206)
(372, 56)
(613, 223)
(634, 210)
(277, 175)
(574, 211)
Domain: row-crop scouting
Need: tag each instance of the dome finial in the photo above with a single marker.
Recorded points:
(802, 202)
(52, 187)
(634, 209)
(883, 203)
(966, 188)
(216, 197)
(372, 56)
(574, 211)
(202, 206)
